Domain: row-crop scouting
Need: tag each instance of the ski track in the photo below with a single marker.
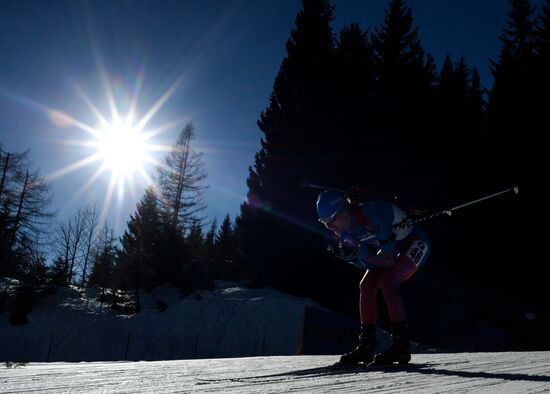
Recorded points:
(514, 372)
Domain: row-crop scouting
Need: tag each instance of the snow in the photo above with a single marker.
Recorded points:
(512, 372)
(229, 321)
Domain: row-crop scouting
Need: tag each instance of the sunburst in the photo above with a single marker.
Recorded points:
(121, 144)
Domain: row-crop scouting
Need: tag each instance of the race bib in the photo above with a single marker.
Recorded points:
(417, 252)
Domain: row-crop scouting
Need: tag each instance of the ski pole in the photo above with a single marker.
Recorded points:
(515, 189)
(449, 211)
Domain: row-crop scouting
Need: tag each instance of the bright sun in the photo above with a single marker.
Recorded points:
(122, 149)
(122, 145)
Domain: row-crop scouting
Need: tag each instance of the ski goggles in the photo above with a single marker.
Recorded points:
(330, 219)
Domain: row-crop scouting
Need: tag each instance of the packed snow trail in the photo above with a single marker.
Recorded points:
(514, 372)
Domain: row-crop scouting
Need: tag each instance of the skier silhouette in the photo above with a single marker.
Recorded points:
(375, 236)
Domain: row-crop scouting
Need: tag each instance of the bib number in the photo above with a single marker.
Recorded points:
(417, 251)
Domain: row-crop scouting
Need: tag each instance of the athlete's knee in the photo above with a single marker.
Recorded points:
(369, 282)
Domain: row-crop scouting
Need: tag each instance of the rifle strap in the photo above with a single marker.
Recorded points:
(361, 218)
(368, 224)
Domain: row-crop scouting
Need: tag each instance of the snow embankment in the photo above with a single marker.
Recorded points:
(229, 321)
(527, 372)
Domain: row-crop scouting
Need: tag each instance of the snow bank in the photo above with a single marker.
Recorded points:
(230, 321)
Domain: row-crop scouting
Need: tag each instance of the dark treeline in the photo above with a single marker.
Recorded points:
(368, 107)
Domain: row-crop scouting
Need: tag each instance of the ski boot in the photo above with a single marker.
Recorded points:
(365, 351)
(399, 351)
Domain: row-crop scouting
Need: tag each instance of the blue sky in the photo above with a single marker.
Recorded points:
(225, 55)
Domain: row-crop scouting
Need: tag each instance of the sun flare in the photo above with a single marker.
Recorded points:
(122, 146)
(122, 149)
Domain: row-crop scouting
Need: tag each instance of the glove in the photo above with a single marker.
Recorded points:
(333, 244)
(349, 245)
(344, 247)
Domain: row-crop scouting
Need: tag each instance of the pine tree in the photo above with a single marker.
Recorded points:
(542, 68)
(225, 243)
(446, 75)
(209, 240)
(537, 211)
(543, 30)
(475, 171)
(517, 153)
(180, 180)
(398, 54)
(140, 245)
(102, 267)
(59, 272)
(298, 132)
(460, 123)
(355, 81)
(195, 240)
(477, 105)
(403, 126)
(519, 37)
(511, 97)
(35, 269)
(104, 261)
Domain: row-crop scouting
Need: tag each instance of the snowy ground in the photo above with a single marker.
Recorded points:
(527, 372)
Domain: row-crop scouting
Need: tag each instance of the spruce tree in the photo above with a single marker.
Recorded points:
(59, 272)
(102, 268)
(542, 69)
(477, 105)
(140, 245)
(511, 99)
(401, 148)
(274, 225)
(516, 155)
(225, 243)
(399, 56)
(446, 75)
(195, 240)
(103, 262)
(209, 240)
(353, 110)
(460, 111)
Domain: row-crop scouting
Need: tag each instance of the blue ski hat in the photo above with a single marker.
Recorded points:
(329, 202)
